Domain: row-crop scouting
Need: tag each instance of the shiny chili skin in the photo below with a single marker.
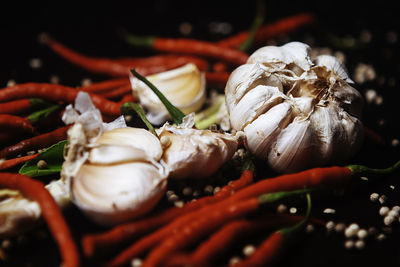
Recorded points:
(34, 143)
(14, 123)
(329, 177)
(117, 92)
(121, 67)
(266, 253)
(56, 93)
(16, 161)
(121, 233)
(36, 191)
(15, 107)
(198, 228)
(268, 31)
(104, 85)
(200, 48)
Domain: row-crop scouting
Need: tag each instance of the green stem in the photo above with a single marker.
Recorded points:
(298, 226)
(258, 20)
(209, 116)
(38, 102)
(145, 41)
(248, 162)
(128, 107)
(36, 116)
(176, 114)
(273, 197)
(360, 170)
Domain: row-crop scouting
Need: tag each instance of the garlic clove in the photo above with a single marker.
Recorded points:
(246, 77)
(294, 53)
(112, 154)
(261, 133)
(333, 64)
(19, 214)
(184, 87)
(134, 137)
(348, 98)
(295, 148)
(112, 194)
(257, 101)
(196, 153)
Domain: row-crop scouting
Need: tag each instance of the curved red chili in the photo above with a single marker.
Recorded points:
(191, 47)
(104, 85)
(198, 228)
(34, 143)
(7, 164)
(15, 123)
(15, 107)
(268, 31)
(56, 93)
(217, 79)
(35, 190)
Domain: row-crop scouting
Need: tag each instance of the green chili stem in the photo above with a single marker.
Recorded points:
(176, 114)
(298, 226)
(146, 41)
(129, 106)
(258, 20)
(360, 170)
(248, 163)
(209, 116)
(42, 114)
(273, 197)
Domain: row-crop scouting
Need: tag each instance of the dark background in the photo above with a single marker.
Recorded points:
(91, 27)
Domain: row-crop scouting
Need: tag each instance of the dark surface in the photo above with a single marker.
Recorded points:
(92, 30)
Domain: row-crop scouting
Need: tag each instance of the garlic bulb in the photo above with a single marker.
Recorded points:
(116, 174)
(295, 113)
(19, 214)
(194, 153)
(184, 87)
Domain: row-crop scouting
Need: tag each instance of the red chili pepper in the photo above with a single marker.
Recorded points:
(105, 85)
(127, 98)
(117, 92)
(15, 123)
(121, 68)
(217, 79)
(15, 107)
(56, 93)
(125, 232)
(198, 228)
(231, 232)
(268, 31)
(7, 164)
(35, 190)
(166, 61)
(34, 143)
(191, 47)
(266, 253)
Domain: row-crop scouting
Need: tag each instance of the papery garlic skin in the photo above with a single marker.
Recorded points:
(194, 153)
(184, 87)
(295, 113)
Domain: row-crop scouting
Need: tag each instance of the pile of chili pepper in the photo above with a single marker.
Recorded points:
(200, 231)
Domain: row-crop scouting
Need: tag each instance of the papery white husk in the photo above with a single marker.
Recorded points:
(295, 113)
(194, 153)
(184, 87)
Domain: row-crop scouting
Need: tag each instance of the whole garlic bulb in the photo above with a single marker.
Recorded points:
(122, 178)
(295, 113)
(183, 86)
(113, 173)
(193, 153)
